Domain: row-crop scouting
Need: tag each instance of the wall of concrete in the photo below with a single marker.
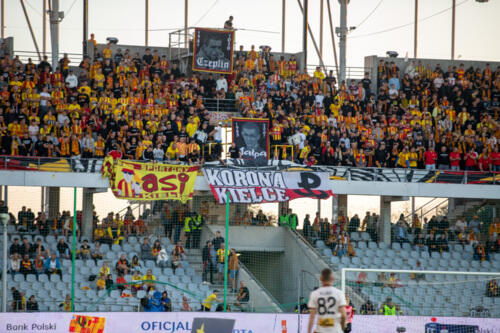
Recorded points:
(300, 268)
(79, 179)
(162, 50)
(264, 266)
(254, 238)
(278, 258)
(260, 297)
(9, 46)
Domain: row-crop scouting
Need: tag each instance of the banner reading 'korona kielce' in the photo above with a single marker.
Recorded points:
(255, 186)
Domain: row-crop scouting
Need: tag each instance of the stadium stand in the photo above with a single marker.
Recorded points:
(116, 269)
(146, 109)
(433, 245)
(114, 272)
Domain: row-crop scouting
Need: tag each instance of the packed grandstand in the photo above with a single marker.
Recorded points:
(147, 109)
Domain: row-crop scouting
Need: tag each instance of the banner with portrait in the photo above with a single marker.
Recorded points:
(213, 50)
(150, 181)
(251, 136)
(259, 186)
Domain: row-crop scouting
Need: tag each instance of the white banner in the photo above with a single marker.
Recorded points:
(187, 322)
(166, 322)
(256, 186)
(414, 324)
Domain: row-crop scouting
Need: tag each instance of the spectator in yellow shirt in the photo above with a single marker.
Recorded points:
(101, 283)
(149, 277)
(172, 152)
(413, 158)
(191, 127)
(107, 52)
(494, 227)
(319, 74)
(104, 270)
(209, 301)
(304, 152)
(404, 158)
(136, 278)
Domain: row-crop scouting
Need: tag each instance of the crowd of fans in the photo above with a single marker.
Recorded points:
(432, 235)
(144, 108)
(34, 258)
(140, 106)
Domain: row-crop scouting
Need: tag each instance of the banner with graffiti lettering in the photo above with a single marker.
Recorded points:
(150, 181)
(255, 186)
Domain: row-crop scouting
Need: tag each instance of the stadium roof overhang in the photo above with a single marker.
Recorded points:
(358, 187)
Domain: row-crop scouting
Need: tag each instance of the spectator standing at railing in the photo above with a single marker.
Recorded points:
(221, 83)
(16, 300)
(88, 146)
(71, 80)
(495, 159)
(306, 227)
(209, 258)
(22, 217)
(233, 267)
(475, 224)
(221, 253)
(354, 224)
(218, 240)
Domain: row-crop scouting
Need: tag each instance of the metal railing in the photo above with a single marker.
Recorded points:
(220, 105)
(177, 43)
(57, 306)
(352, 72)
(399, 175)
(277, 306)
(75, 58)
(420, 210)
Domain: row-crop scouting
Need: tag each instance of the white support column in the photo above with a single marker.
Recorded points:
(47, 196)
(451, 204)
(335, 208)
(87, 213)
(385, 220)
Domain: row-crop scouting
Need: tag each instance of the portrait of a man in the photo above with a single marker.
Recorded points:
(213, 51)
(251, 137)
